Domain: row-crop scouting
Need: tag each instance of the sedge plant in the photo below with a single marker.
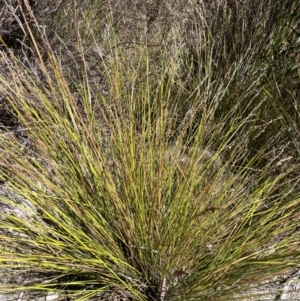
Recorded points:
(138, 188)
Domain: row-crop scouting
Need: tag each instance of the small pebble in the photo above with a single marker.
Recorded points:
(51, 296)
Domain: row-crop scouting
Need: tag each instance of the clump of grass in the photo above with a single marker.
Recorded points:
(118, 194)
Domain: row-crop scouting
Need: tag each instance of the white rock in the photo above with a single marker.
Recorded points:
(52, 296)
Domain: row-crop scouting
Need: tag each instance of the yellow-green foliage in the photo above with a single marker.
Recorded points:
(138, 188)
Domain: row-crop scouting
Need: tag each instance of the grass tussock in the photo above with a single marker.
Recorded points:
(160, 164)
